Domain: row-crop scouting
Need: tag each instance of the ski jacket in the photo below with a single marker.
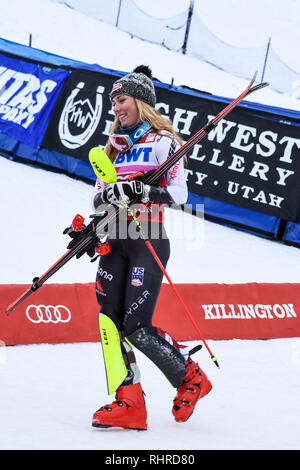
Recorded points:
(147, 154)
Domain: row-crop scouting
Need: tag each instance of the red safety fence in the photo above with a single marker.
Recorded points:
(65, 313)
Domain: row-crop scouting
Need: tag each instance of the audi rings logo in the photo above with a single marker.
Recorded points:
(48, 314)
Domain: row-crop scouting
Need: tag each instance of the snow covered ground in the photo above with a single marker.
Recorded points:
(82, 38)
(49, 392)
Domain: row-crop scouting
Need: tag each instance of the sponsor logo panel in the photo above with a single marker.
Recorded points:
(68, 312)
(48, 313)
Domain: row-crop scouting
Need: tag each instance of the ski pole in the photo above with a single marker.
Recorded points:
(149, 245)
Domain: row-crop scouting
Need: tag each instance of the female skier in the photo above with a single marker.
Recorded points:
(128, 278)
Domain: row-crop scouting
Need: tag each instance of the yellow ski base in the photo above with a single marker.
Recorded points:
(113, 359)
(102, 165)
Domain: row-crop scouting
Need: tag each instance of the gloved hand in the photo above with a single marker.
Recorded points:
(78, 231)
(127, 191)
(76, 236)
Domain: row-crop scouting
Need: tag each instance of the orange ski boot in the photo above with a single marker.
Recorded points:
(127, 411)
(195, 385)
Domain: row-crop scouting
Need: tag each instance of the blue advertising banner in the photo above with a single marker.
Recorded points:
(245, 173)
(28, 93)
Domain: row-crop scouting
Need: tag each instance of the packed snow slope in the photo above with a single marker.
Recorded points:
(49, 393)
(64, 31)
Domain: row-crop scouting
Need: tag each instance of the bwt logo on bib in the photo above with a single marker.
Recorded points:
(142, 153)
(79, 118)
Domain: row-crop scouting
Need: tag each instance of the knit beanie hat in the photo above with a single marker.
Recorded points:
(137, 84)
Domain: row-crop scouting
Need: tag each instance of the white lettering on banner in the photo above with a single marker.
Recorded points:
(220, 132)
(247, 192)
(237, 163)
(163, 107)
(258, 169)
(214, 159)
(248, 311)
(265, 147)
(266, 143)
(22, 96)
(200, 177)
(243, 142)
(107, 128)
(245, 139)
(183, 116)
(284, 174)
(242, 137)
(271, 169)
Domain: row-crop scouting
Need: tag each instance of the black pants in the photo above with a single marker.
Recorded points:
(129, 280)
(127, 287)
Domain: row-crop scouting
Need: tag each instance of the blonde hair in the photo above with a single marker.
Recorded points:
(158, 123)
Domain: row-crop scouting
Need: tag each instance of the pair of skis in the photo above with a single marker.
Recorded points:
(88, 235)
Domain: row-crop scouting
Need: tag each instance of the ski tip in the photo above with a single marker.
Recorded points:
(215, 361)
(264, 84)
(257, 87)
